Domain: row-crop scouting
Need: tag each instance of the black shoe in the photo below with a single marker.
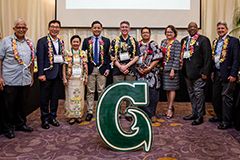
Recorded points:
(10, 134)
(54, 122)
(45, 125)
(224, 126)
(197, 121)
(71, 121)
(190, 117)
(24, 128)
(214, 119)
(89, 117)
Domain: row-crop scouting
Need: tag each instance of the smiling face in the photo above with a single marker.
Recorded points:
(75, 43)
(54, 29)
(124, 29)
(222, 30)
(20, 29)
(96, 29)
(170, 34)
(145, 34)
(192, 28)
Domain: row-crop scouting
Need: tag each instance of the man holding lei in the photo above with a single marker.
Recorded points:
(225, 54)
(50, 52)
(16, 76)
(196, 67)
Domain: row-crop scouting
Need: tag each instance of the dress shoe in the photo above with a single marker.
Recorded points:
(197, 121)
(54, 122)
(71, 121)
(89, 117)
(10, 134)
(214, 119)
(24, 128)
(190, 117)
(45, 125)
(224, 126)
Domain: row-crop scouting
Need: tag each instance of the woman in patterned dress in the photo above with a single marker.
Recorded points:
(74, 78)
(171, 48)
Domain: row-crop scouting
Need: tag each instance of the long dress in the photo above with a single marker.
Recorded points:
(76, 73)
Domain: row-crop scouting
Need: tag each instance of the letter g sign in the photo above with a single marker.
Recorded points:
(107, 117)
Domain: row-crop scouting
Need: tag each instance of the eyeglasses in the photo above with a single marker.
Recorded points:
(23, 28)
(56, 27)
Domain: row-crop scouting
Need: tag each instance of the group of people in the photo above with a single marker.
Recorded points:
(127, 59)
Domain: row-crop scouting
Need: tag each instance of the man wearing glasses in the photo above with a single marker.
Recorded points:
(16, 77)
(50, 51)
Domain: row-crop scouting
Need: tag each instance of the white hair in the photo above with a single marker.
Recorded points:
(19, 20)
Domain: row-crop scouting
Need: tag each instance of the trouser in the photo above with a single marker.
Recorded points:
(222, 98)
(150, 109)
(94, 78)
(196, 94)
(15, 101)
(49, 95)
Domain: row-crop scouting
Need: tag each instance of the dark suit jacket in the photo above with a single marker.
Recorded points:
(201, 60)
(230, 66)
(43, 60)
(106, 57)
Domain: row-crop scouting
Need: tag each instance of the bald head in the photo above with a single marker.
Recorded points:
(192, 28)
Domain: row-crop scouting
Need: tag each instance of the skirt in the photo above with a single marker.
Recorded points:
(170, 84)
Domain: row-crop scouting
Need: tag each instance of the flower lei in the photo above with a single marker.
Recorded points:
(224, 49)
(69, 59)
(16, 54)
(192, 42)
(148, 50)
(50, 50)
(117, 45)
(90, 53)
(167, 49)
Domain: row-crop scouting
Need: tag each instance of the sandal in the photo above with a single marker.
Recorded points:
(71, 121)
(170, 113)
(79, 120)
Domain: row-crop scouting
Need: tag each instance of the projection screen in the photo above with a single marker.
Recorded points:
(151, 13)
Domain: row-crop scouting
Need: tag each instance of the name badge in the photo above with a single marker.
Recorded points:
(76, 59)
(58, 59)
(124, 56)
(186, 54)
(76, 71)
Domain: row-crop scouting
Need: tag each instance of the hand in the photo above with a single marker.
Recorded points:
(32, 82)
(85, 81)
(106, 73)
(126, 71)
(2, 84)
(232, 79)
(42, 78)
(140, 70)
(172, 74)
(123, 68)
(65, 82)
(204, 77)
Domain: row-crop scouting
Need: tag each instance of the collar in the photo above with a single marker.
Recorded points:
(223, 38)
(53, 40)
(15, 37)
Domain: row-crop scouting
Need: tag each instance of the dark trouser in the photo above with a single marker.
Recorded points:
(153, 101)
(197, 97)
(223, 98)
(49, 94)
(15, 99)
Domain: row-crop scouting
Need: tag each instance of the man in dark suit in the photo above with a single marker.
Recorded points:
(97, 48)
(196, 67)
(50, 50)
(226, 63)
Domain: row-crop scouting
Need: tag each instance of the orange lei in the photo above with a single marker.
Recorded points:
(192, 42)
(224, 49)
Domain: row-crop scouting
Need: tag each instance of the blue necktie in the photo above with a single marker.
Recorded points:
(96, 51)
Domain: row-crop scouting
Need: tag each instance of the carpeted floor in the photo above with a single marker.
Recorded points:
(173, 139)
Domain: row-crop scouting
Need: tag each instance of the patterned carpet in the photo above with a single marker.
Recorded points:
(173, 139)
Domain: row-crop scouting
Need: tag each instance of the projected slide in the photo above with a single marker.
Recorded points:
(140, 13)
(129, 4)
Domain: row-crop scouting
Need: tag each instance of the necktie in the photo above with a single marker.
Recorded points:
(96, 55)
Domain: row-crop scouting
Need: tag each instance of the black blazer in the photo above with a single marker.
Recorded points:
(43, 60)
(229, 67)
(201, 60)
(106, 57)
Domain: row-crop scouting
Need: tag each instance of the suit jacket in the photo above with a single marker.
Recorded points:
(230, 66)
(43, 60)
(201, 60)
(106, 56)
